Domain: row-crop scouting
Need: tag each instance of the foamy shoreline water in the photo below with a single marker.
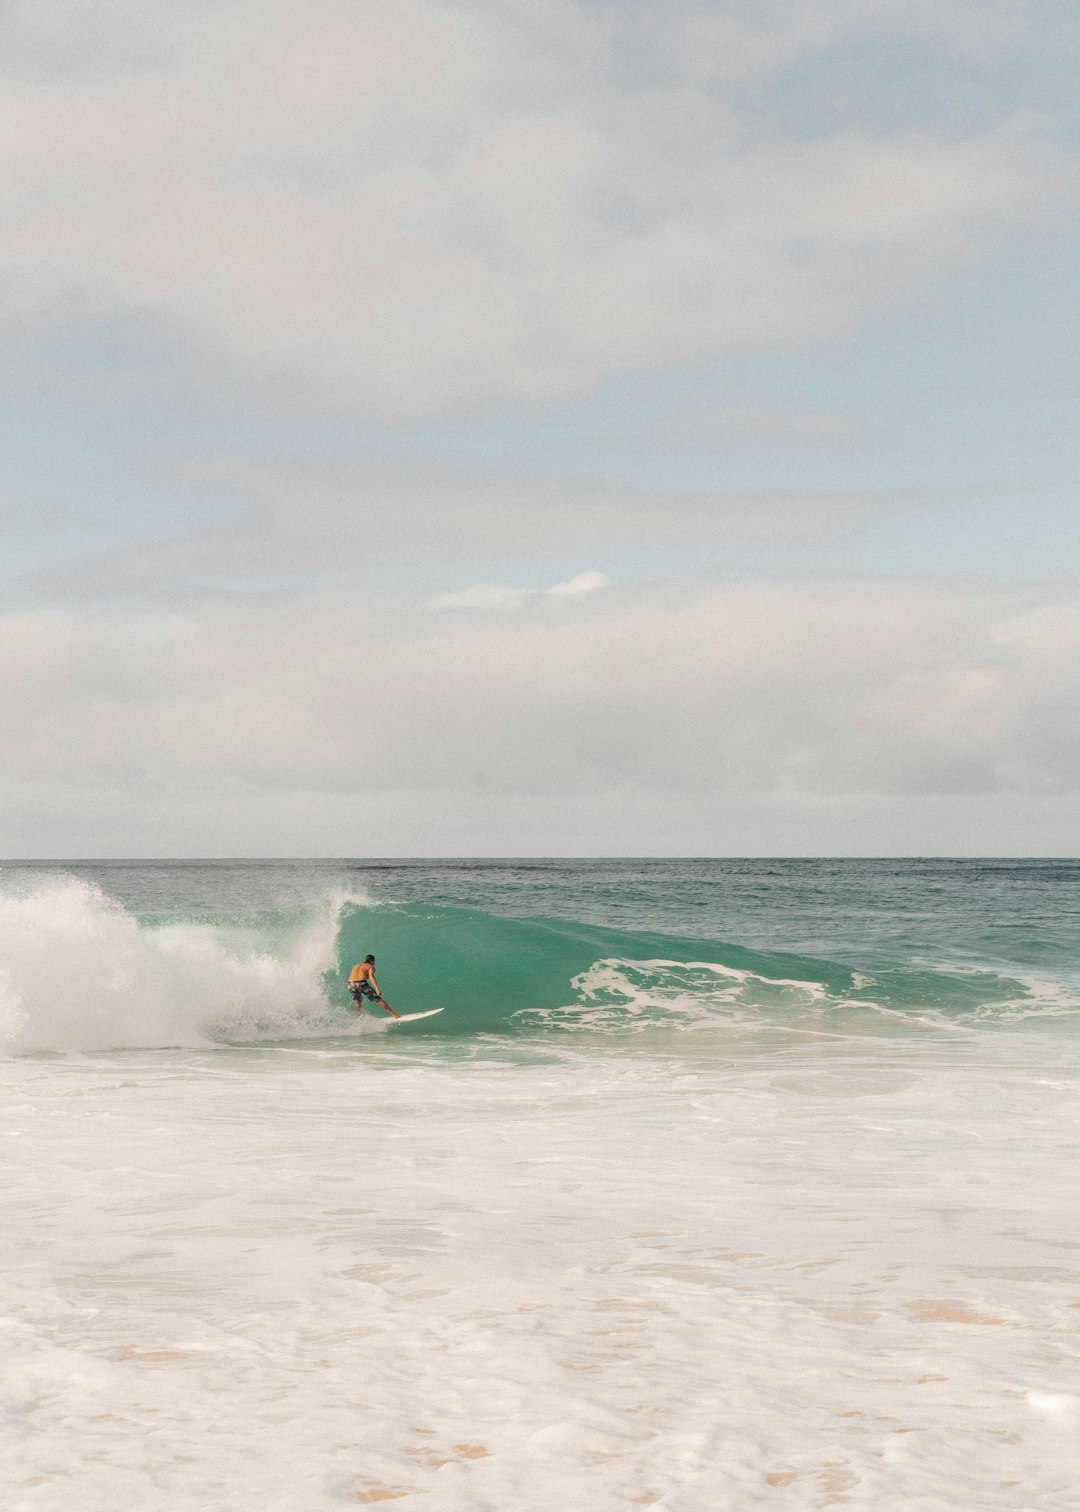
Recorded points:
(319, 1276)
(718, 1185)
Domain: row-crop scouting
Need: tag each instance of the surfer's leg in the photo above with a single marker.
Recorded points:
(388, 1008)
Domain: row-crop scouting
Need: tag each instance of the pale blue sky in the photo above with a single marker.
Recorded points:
(323, 311)
(957, 426)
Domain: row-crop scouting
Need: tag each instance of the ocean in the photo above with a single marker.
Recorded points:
(718, 1184)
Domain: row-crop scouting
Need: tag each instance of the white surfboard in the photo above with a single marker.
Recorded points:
(410, 1018)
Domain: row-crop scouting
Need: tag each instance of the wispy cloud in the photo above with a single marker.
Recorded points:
(300, 301)
(336, 521)
(850, 686)
(332, 214)
(759, 422)
(486, 596)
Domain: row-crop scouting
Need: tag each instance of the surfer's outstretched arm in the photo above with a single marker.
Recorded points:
(382, 1000)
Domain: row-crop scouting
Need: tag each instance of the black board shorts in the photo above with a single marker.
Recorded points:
(363, 989)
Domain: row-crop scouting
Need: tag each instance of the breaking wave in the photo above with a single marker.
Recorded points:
(78, 972)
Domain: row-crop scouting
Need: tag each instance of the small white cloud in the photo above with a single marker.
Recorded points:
(483, 596)
(584, 582)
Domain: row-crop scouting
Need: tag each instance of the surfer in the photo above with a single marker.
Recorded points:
(362, 984)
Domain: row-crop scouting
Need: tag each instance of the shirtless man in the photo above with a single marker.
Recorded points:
(362, 984)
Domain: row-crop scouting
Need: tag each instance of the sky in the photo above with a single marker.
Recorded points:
(539, 427)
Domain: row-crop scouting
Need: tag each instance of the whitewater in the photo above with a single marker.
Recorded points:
(717, 1184)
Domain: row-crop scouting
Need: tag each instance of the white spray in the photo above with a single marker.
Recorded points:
(77, 972)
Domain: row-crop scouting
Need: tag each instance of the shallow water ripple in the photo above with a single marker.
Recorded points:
(295, 1281)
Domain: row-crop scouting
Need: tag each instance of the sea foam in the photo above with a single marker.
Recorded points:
(78, 972)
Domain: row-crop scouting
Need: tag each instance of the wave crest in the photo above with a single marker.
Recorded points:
(78, 972)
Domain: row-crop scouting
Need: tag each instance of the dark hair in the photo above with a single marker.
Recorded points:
(370, 958)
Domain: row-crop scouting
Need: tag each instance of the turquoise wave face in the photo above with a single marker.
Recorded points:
(234, 952)
(495, 974)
